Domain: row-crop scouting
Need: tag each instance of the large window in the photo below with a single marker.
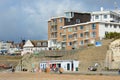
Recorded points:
(93, 26)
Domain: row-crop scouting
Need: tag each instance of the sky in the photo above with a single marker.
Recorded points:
(27, 19)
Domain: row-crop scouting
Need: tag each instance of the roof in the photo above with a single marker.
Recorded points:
(57, 61)
(91, 23)
(35, 42)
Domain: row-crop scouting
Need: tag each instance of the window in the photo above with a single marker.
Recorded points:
(69, 43)
(69, 36)
(54, 20)
(67, 19)
(81, 34)
(105, 16)
(93, 34)
(81, 27)
(60, 34)
(75, 29)
(60, 19)
(115, 26)
(75, 36)
(110, 25)
(93, 26)
(68, 14)
(81, 42)
(96, 17)
(60, 27)
(106, 32)
(39, 44)
(44, 43)
(69, 29)
(77, 21)
(106, 25)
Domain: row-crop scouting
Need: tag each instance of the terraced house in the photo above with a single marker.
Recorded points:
(71, 32)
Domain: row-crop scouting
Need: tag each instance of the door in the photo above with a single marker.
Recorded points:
(68, 66)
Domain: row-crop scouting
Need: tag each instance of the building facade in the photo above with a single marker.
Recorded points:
(80, 29)
(83, 34)
(55, 26)
(4, 47)
(105, 15)
(34, 46)
(66, 65)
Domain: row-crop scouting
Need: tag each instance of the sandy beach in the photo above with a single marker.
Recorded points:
(48, 76)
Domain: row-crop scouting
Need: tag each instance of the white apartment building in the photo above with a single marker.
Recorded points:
(105, 15)
(4, 46)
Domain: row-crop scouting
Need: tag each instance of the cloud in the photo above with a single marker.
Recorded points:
(28, 18)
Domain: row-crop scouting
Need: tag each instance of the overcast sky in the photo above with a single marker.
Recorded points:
(27, 19)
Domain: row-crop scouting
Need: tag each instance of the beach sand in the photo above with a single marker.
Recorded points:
(48, 76)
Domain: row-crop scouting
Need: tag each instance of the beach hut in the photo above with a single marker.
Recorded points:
(67, 65)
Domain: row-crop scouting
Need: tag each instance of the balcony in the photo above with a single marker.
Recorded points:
(87, 30)
(53, 37)
(53, 30)
(63, 34)
(74, 39)
(86, 37)
(54, 24)
(64, 40)
(74, 32)
(63, 45)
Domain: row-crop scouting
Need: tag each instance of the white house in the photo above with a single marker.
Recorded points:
(4, 46)
(67, 65)
(33, 46)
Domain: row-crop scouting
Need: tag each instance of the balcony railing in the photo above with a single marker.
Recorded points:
(53, 30)
(74, 32)
(86, 37)
(63, 34)
(74, 39)
(53, 37)
(53, 23)
(64, 40)
(64, 45)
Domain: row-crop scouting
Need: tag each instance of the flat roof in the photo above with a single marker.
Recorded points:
(90, 23)
(57, 61)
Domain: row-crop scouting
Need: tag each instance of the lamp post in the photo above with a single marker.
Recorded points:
(21, 64)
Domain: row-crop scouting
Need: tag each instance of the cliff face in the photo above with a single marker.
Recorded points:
(113, 55)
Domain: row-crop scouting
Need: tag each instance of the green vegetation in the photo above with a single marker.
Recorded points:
(112, 35)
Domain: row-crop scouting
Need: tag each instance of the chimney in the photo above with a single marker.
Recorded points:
(101, 9)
